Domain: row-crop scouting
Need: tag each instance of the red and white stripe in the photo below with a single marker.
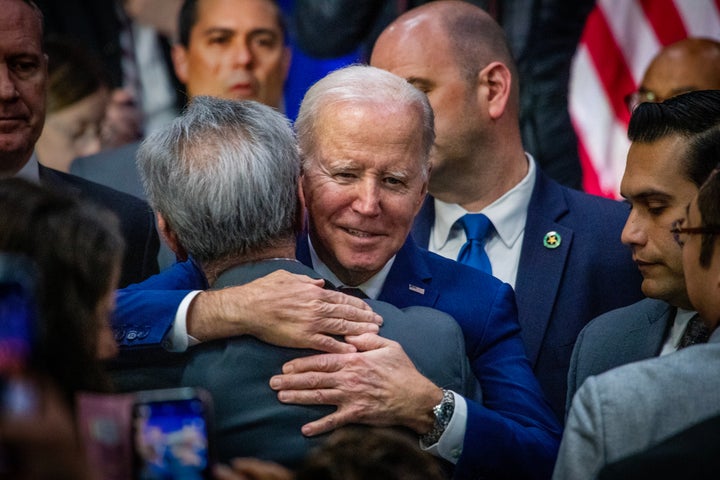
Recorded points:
(620, 39)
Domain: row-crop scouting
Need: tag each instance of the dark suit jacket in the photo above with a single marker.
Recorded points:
(115, 168)
(249, 419)
(619, 337)
(136, 222)
(560, 290)
(513, 412)
(692, 453)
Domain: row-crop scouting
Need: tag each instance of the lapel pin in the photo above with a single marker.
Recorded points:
(552, 240)
(416, 289)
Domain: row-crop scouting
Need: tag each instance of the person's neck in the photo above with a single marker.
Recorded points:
(214, 269)
(493, 174)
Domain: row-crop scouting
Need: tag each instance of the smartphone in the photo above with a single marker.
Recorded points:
(18, 330)
(172, 434)
(17, 313)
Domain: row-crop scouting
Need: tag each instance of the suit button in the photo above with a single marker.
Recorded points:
(143, 332)
(119, 334)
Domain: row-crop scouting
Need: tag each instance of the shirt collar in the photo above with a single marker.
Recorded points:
(371, 287)
(31, 170)
(507, 214)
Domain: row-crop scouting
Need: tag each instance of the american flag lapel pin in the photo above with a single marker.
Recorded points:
(416, 289)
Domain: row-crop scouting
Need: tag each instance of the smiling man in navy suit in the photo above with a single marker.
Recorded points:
(365, 136)
(560, 249)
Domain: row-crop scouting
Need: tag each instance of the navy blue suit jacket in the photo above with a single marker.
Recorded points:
(560, 290)
(512, 434)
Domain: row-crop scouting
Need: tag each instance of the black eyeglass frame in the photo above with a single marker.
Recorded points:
(677, 230)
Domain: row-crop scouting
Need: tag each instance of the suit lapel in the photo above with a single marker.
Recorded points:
(652, 329)
(423, 223)
(302, 251)
(409, 281)
(541, 268)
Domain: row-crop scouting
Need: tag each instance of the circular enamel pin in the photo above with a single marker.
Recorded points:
(552, 240)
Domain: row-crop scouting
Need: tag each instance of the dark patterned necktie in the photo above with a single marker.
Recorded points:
(354, 291)
(695, 332)
(476, 226)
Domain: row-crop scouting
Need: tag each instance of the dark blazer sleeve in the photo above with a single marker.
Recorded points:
(137, 222)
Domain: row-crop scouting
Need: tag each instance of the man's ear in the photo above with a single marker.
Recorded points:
(495, 84)
(179, 60)
(170, 238)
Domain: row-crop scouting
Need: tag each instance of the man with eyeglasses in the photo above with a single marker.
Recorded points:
(638, 406)
(684, 66)
(675, 146)
(694, 452)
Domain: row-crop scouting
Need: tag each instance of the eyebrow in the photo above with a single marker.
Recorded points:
(649, 194)
(418, 81)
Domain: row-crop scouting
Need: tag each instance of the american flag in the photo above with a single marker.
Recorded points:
(619, 40)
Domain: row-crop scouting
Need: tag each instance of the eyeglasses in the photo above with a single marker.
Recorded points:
(677, 230)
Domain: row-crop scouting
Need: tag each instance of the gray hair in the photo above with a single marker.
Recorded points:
(224, 177)
(362, 84)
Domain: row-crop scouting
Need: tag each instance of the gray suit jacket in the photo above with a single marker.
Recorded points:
(114, 168)
(618, 337)
(250, 421)
(636, 406)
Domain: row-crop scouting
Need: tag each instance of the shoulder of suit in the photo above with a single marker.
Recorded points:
(622, 317)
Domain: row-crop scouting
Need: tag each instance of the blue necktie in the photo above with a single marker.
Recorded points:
(476, 227)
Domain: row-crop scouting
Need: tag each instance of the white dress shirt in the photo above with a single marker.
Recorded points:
(504, 242)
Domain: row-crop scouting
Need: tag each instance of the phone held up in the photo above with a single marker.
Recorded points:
(171, 433)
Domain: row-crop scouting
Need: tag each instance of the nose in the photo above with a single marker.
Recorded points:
(243, 54)
(367, 200)
(7, 85)
(633, 232)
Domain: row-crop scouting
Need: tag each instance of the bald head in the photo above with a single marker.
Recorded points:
(466, 33)
(688, 65)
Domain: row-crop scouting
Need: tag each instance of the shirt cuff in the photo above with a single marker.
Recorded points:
(177, 339)
(450, 444)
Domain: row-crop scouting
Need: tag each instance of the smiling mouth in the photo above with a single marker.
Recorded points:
(359, 233)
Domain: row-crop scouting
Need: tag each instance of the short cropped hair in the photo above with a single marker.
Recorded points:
(188, 17)
(363, 84)
(476, 40)
(694, 116)
(708, 202)
(224, 176)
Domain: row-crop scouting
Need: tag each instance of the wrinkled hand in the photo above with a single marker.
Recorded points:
(282, 309)
(251, 469)
(123, 120)
(378, 386)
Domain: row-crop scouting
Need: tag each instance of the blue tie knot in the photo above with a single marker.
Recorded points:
(476, 226)
(473, 253)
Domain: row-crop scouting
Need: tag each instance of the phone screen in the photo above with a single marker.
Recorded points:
(17, 325)
(171, 439)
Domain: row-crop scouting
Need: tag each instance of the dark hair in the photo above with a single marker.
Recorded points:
(188, 17)
(708, 201)
(694, 116)
(73, 73)
(360, 452)
(77, 249)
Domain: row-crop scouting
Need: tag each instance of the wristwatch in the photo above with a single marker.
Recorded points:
(443, 412)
